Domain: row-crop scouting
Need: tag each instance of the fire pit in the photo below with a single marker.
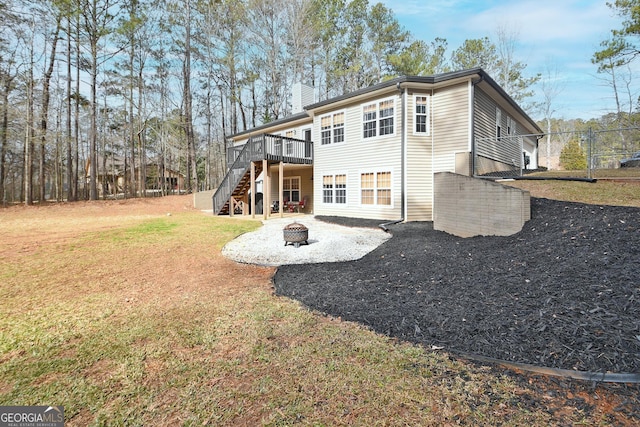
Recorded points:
(295, 233)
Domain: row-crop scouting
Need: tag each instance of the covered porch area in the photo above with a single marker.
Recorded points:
(268, 171)
(280, 189)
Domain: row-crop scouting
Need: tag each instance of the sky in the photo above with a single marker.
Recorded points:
(554, 37)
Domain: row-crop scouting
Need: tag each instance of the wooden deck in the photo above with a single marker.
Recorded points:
(249, 160)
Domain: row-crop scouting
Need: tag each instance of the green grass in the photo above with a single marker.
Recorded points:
(602, 192)
(595, 173)
(146, 324)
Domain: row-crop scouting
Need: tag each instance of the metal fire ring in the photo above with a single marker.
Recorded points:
(295, 233)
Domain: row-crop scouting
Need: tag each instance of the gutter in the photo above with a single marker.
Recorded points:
(385, 225)
(403, 161)
(473, 127)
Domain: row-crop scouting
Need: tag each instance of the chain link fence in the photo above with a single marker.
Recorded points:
(594, 153)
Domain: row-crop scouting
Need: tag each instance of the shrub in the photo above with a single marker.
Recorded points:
(572, 156)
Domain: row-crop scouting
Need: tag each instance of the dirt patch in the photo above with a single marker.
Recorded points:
(158, 276)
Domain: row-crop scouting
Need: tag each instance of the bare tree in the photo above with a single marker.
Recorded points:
(97, 23)
(46, 96)
(551, 87)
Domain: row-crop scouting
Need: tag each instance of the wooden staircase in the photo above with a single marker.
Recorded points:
(241, 190)
(236, 183)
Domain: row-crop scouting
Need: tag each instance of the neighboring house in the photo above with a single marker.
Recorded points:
(373, 153)
(113, 176)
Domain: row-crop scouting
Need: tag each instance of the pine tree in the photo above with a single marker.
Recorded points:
(572, 156)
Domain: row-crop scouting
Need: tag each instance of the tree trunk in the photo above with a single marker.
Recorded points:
(46, 96)
(70, 192)
(3, 136)
(76, 125)
(29, 135)
(93, 150)
(192, 176)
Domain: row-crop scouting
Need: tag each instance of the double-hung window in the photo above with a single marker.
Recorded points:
(332, 128)
(334, 189)
(325, 130)
(378, 118)
(386, 117)
(498, 122)
(341, 189)
(327, 188)
(338, 127)
(291, 189)
(369, 121)
(421, 114)
(511, 126)
(375, 188)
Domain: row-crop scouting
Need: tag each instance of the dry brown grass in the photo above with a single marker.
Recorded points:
(126, 315)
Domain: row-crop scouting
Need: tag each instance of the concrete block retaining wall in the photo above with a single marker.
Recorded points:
(203, 200)
(466, 207)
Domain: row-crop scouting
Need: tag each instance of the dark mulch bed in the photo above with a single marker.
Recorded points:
(562, 293)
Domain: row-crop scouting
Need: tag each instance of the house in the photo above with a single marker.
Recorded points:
(113, 175)
(373, 153)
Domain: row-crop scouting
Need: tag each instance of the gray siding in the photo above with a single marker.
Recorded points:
(507, 149)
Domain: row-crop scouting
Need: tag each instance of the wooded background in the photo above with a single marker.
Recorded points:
(149, 89)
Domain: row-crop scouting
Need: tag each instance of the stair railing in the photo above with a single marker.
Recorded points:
(251, 151)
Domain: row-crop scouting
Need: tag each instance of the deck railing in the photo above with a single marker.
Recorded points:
(259, 147)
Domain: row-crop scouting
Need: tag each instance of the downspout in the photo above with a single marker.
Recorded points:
(403, 159)
(473, 124)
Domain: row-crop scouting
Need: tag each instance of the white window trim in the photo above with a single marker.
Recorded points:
(415, 113)
(333, 197)
(332, 128)
(375, 205)
(299, 178)
(378, 102)
(499, 123)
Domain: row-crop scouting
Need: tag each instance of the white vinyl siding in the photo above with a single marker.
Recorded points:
(419, 146)
(451, 131)
(378, 154)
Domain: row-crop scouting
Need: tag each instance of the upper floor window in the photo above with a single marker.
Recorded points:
(498, 122)
(288, 143)
(332, 128)
(422, 114)
(378, 118)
